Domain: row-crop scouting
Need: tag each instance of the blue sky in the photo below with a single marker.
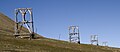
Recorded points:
(52, 17)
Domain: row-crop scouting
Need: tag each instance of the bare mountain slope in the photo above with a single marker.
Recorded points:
(10, 44)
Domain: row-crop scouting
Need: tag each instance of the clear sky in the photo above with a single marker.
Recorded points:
(52, 17)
